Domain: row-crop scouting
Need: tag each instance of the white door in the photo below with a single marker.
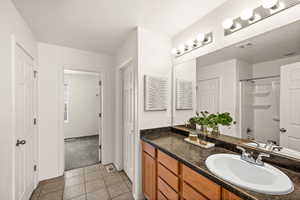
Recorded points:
(290, 106)
(128, 120)
(24, 148)
(208, 94)
(99, 97)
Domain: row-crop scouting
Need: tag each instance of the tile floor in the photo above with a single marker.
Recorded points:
(89, 183)
(81, 152)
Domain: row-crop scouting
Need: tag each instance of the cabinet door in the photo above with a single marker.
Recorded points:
(229, 196)
(149, 177)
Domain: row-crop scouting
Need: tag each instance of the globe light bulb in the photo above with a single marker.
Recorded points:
(201, 37)
(269, 4)
(228, 24)
(190, 43)
(181, 48)
(247, 14)
(174, 51)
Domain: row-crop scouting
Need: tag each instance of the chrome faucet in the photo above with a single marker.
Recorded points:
(248, 157)
(259, 159)
(257, 143)
(269, 145)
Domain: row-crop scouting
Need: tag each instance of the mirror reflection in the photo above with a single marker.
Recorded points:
(250, 90)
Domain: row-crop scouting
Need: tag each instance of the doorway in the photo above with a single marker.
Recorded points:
(82, 118)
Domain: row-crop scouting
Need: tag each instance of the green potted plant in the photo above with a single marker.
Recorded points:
(223, 119)
(203, 121)
(192, 122)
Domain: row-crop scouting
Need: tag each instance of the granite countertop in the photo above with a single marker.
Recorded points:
(194, 157)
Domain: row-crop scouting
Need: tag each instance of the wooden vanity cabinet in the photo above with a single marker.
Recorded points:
(149, 171)
(165, 178)
(229, 196)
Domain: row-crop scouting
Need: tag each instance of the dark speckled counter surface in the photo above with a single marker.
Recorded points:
(194, 157)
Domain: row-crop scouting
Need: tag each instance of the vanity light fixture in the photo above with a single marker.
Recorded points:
(200, 41)
(181, 48)
(201, 38)
(273, 5)
(190, 44)
(270, 4)
(230, 25)
(251, 16)
(174, 51)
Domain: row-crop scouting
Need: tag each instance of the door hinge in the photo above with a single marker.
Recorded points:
(35, 74)
(100, 115)
(34, 168)
(100, 146)
(34, 121)
(100, 83)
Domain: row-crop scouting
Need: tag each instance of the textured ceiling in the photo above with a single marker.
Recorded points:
(100, 26)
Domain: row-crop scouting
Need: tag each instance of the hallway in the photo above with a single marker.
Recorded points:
(81, 152)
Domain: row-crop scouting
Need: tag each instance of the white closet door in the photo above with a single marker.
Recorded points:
(99, 108)
(128, 120)
(208, 95)
(24, 149)
(290, 106)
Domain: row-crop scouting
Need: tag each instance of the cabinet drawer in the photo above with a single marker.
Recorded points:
(148, 149)
(168, 162)
(229, 196)
(160, 196)
(202, 184)
(168, 177)
(166, 190)
(189, 193)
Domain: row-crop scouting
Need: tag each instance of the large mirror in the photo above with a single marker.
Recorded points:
(257, 82)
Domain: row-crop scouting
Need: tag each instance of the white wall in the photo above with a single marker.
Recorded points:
(11, 23)
(272, 67)
(83, 105)
(231, 9)
(154, 59)
(184, 71)
(52, 60)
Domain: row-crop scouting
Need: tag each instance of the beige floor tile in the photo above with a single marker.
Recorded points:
(113, 179)
(94, 185)
(126, 196)
(74, 180)
(82, 197)
(93, 176)
(117, 189)
(92, 168)
(101, 194)
(52, 187)
(129, 185)
(74, 191)
(52, 196)
(73, 172)
(52, 180)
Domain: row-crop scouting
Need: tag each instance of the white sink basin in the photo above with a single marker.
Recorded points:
(263, 179)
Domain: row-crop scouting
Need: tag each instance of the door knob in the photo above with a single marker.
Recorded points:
(283, 130)
(20, 142)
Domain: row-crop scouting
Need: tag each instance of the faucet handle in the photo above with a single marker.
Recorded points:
(259, 158)
(241, 148)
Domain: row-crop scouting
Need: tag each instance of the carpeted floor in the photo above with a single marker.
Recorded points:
(81, 152)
